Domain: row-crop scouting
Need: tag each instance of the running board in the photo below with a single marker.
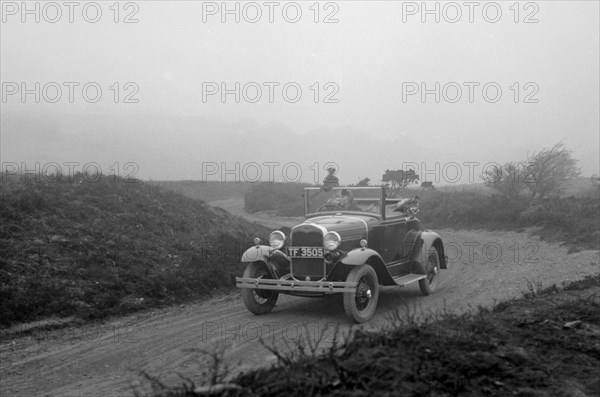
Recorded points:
(409, 278)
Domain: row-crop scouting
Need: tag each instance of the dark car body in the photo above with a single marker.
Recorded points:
(374, 232)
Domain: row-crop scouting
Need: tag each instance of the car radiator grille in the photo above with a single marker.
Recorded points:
(312, 238)
(307, 267)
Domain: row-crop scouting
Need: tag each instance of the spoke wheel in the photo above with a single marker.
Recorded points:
(429, 284)
(360, 304)
(258, 301)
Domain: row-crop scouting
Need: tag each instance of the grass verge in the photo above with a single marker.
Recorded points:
(546, 343)
(93, 247)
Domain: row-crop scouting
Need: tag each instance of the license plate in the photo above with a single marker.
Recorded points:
(305, 252)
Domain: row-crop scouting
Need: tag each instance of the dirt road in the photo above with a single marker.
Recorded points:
(106, 359)
(235, 206)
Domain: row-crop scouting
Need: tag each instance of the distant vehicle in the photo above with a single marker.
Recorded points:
(353, 241)
(427, 185)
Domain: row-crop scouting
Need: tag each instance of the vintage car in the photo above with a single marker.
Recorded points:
(354, 240)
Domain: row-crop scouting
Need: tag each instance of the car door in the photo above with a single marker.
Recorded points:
(394, 232)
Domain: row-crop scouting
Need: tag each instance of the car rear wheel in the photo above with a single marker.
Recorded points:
(360, 304)
(258, 301)
(429, 284)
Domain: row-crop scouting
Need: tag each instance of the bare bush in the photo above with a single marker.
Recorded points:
(547, 170)
(543, 174)
(506, 179)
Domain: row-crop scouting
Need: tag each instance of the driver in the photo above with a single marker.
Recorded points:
(344, 199)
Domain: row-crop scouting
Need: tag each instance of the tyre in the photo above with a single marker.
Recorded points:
(360, 304)
(431, 267)
(258, 301)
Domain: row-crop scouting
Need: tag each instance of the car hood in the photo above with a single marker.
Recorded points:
(349, 227)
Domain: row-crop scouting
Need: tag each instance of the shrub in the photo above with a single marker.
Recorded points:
(468, 209)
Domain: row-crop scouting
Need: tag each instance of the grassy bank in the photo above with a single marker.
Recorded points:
(92, 248)
(207, 190)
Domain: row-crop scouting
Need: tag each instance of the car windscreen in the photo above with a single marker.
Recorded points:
(362, 199)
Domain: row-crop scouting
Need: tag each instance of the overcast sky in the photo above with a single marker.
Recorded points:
(360, 77)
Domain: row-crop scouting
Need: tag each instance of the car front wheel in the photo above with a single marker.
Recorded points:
(429, 284)
(360, 304)
(258, 301)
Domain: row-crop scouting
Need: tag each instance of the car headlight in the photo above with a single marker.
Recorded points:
(276, 239)
(331, 240)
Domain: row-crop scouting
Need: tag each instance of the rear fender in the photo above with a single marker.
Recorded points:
(361, 256)
(411, 244)
(429, 240)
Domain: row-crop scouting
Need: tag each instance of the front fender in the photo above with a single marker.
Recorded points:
(257, 253)
(431, 240)
(276, 261)
(359, 256)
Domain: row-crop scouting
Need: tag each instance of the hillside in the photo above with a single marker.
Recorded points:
(206, 191)
(91, 249)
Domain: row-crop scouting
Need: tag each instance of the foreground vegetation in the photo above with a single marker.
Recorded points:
(86, 248)
(546, 343)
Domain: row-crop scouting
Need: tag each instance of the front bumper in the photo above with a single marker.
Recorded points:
(326, 287)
